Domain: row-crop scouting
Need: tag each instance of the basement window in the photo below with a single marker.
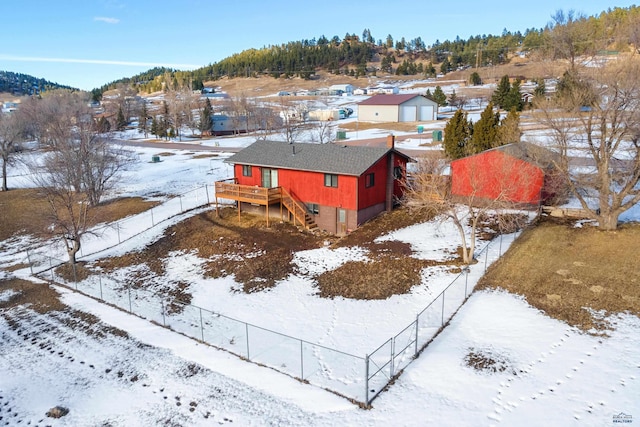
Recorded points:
(246, 170)
(369, 180)
(330, 180)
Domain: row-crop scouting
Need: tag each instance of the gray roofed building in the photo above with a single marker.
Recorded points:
(326, 158)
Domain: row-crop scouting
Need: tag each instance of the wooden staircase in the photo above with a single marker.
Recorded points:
(297, 210)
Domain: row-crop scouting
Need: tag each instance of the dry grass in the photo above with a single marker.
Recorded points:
(38, 296)
(24, 211)
(563, 270)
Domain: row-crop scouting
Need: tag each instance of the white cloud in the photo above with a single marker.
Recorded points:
(96, 61)
(106, 19)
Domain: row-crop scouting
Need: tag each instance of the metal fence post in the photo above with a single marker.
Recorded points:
(201, 324)
(246, 328)
(500, 250)
(393, 347)
(164, 320)
(100, 282)
(417, 329)
(129, 288)
(486, 257)
(442, 322)
(206, 190)
(118, 229)
(29, 261)
(366, 379)
(152, 222)
(180, 197)
(301, 361)
(466, 280)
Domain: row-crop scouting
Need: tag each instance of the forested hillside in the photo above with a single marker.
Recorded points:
(567, 36)
(24, 84)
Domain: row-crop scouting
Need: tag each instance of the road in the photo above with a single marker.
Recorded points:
(372, 142)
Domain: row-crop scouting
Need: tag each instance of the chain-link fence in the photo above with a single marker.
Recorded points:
(388, 360)
(358, 378)
(108, 236)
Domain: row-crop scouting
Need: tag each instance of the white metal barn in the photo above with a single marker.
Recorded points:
(397, 108)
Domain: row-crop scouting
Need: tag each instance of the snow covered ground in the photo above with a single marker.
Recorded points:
(545, 372)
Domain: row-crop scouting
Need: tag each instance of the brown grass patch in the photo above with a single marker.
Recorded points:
(562, 269)
(487, 361)
(204, 156)
(259, 256)
(24, 211)
(38, 296)
(380, 279)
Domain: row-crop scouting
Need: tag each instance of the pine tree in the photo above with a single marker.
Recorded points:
(502, 91)
(439, 96)
(428, 94)
(143, 116)
(485, 131)
(513, 100)
(456, 135)
(121, 122)
(205, 118)
(475, 79)
(540, 89)
(509, 131)
(445, 67)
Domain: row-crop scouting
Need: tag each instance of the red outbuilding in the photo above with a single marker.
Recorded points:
(519, 173)
(334, 187)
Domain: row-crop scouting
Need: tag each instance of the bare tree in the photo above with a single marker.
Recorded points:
(293, 119)
(599, 140)
(490, 193)
(11, 134)
(570, 35)
(324, 131)
(79, 167)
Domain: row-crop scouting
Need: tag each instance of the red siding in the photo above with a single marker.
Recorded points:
(494, 175)
(351, 193)
(308, 187)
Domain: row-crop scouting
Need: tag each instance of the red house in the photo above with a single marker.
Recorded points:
(334, 187)
(520, 173)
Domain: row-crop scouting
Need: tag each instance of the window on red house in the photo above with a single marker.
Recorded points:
(246, 170)
(330, 180)
(369, 180)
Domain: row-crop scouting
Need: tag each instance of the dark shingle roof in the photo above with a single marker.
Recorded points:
(325, 158)
(388, 99)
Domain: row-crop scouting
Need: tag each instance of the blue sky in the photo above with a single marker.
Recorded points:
(87, 43)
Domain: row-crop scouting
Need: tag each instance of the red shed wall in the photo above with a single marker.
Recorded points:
(492, 174)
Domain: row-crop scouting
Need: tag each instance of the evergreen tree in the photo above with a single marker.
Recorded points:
(456, 136)
(429, 70)
(121, 122)
(154, 127)
(143, 116)
(502, 91)
(513, 100)
(439, 96)
(205, 118)
(475, 79)
(428, 94)
(509, 130)
(485, 131)
(445, 67)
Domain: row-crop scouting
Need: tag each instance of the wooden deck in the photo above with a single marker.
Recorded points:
(229, 189)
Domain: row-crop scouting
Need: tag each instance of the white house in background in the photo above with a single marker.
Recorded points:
(360, 91)
(386, 90)
(345, 88)
(397, 108)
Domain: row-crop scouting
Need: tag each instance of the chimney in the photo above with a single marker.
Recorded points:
(391, 141)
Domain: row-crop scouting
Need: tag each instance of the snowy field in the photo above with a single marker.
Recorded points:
(549, 373)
